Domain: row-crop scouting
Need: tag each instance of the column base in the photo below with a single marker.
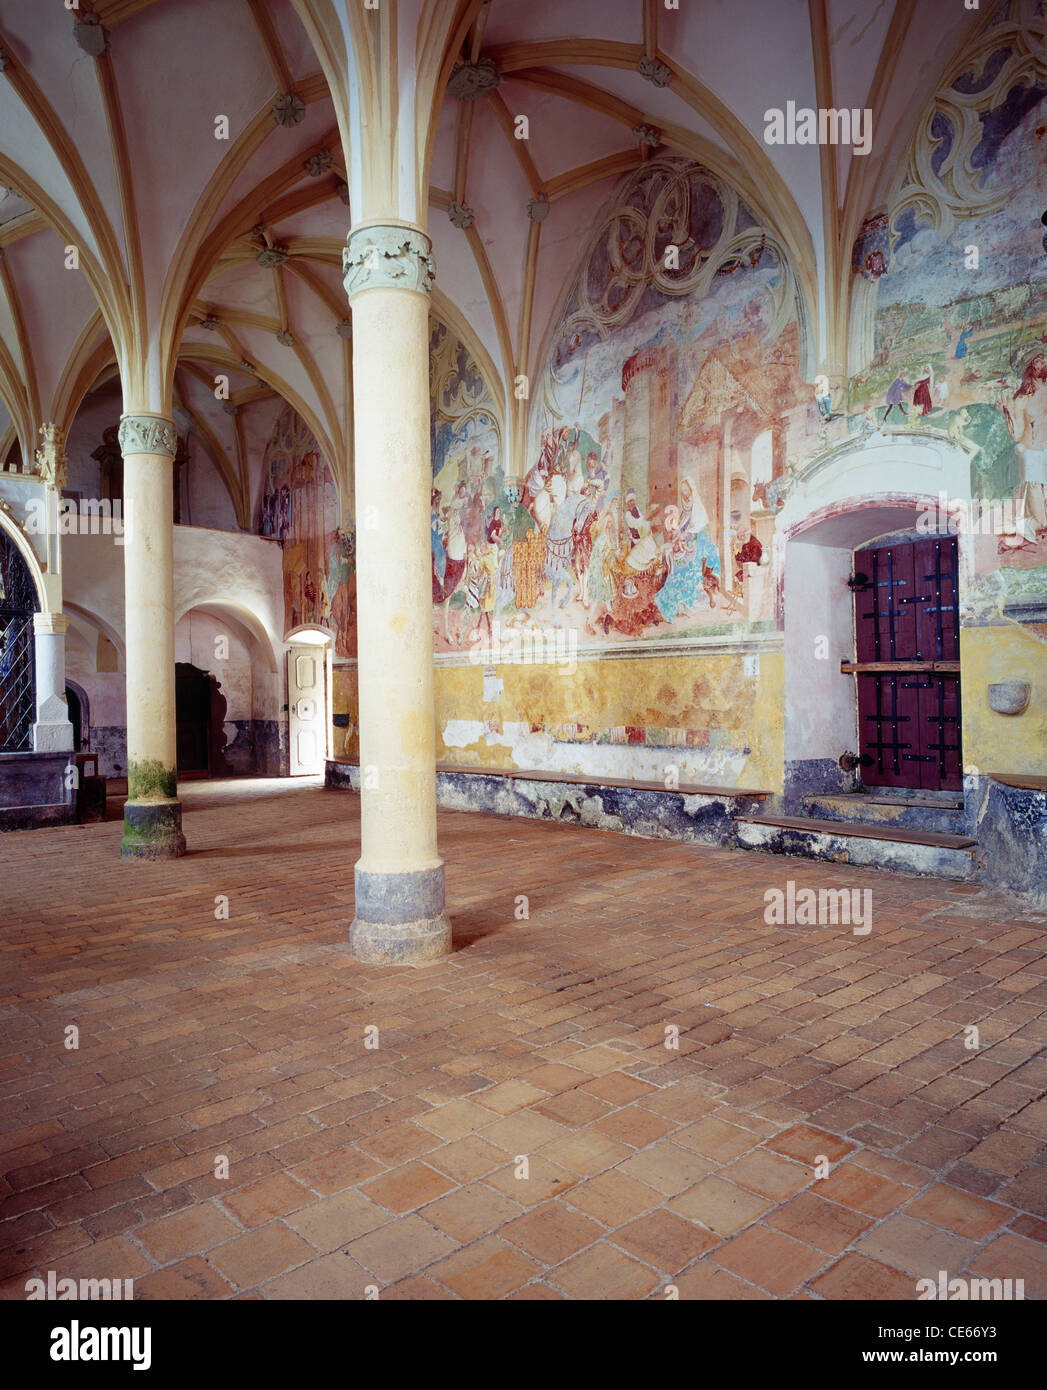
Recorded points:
(53, 738)
(152, 830)
(400, 918)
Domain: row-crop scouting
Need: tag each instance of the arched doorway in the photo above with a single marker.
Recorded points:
(907, 662)
(200, 709)
(18, 603)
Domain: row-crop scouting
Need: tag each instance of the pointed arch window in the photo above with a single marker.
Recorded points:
(18, 603)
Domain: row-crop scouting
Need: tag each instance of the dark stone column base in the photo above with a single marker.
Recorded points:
(152, 830)
(400, 918)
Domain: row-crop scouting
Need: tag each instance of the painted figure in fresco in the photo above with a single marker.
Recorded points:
(582, 539)
(284, 523)
(545, 501)
(1028, 426)
(495, 526)
(479, 585)
(959, 422)
(750, 552)
(689, 553)
(601, 563)
(529, 568)
(823, 396)
(439, 553)
(896, 393)
(961, 346)
(595, 472)
(921, 396)
(535, 483)
(559, 541)
(454, 567)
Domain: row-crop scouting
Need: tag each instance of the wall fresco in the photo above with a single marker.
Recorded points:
(299, 508)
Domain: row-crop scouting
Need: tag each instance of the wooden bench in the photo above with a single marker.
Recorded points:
(518, 774)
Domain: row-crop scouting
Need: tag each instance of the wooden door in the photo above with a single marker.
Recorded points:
(307, 706)
(906, 616)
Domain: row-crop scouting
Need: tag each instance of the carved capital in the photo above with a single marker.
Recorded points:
(147, 434)
(388, 258)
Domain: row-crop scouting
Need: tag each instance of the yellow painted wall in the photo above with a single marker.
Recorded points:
(705, 693)
(346, 742)
(999, 742)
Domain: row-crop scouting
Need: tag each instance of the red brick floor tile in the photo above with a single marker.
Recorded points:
(407, 1187)
(769, 1174)
(915, 1247)
(189, 1279)
(720, 1205)
(1012, 1257)
(771, 1260)
(337, 1170)
(708, 1282)
(604, 1273)
(665, 1240)
(551, 1232)
(614, 1198)
(486, 1269)
(260, 1254)
(471, 1211)
(857, 1278)
(333, 1277)
(958, 1211)
(807, 1145)
(825, 1225)
(405, 1246)
(863, 1191)
(260, 1202)
(190, 1232)
(336, 1220)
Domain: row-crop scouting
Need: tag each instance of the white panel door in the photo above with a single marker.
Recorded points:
(307, 706)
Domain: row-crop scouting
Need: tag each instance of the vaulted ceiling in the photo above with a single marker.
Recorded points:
(191, 156)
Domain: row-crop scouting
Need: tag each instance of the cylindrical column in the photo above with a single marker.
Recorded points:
(52, 732)
(153, 813)
(399, 876)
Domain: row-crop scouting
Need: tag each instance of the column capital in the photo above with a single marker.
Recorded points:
(50, 622)
(388, 256)
(145, 433)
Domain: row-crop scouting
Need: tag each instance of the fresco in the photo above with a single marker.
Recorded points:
(646, 507)
(960, 273)
(468, 493)
(299, 508)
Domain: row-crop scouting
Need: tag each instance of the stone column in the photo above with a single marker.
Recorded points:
(153, 813)
(399, 876)
(52, 732)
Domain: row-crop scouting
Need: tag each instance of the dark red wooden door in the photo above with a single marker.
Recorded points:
(906, 610)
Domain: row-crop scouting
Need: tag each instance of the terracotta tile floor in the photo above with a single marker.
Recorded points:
(521, 1129)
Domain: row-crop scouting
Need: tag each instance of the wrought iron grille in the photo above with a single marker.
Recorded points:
(17, 685)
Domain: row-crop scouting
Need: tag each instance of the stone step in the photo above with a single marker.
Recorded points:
(925, 811)
(902, 848)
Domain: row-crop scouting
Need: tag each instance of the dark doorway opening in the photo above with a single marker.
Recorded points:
(907, 641)
(200, 709)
